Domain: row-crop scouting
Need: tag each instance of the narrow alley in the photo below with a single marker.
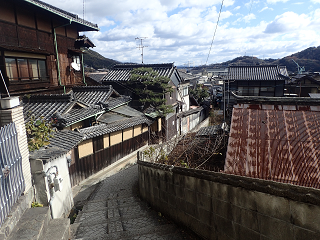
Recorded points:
(114, 210)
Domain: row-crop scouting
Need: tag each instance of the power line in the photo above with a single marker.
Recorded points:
(215, 31)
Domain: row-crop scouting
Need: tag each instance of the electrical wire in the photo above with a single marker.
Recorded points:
(215, 31)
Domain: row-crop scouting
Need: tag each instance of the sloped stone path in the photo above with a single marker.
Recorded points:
(115, 211)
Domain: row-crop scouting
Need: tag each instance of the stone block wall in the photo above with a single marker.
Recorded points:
(218, 206)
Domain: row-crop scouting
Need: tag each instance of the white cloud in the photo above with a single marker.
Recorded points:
(315, 1)
(249, 17)
(105, 23)
(251, 3)
(288, 21)
(265, 8)
(276, 1)
(182, 30)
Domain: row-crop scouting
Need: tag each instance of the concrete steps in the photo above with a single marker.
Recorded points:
(58, 229)
(36, 224)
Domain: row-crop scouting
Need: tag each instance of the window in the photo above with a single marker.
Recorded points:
(185, 91)
(26, 69)
(248, 91)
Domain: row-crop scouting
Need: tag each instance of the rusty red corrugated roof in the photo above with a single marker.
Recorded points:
(279, 145)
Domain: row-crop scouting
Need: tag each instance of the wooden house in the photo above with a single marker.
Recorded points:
(255, 80)
(40, 47)
(165, 127)
(110, 128)
(303, 84)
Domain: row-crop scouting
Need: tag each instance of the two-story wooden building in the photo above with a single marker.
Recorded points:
(166, 126)
(40, 47)
(255, 80)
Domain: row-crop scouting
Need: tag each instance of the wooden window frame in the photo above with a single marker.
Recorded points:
(30, 78)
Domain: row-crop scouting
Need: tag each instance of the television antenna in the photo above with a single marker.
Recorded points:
(141, 46)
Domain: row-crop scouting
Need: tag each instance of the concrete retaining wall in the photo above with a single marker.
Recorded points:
(220, 206)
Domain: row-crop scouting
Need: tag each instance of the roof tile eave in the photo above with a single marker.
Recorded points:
(64, 14)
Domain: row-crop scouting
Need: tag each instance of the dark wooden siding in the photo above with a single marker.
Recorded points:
(171, 124)
(33, 33)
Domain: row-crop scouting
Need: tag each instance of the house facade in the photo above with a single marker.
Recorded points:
(110, 128)
(40, 47)
(167, 126)
(303, 84)
(255, 80)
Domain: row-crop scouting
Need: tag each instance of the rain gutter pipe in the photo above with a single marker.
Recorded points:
(57, 54)
(83, 76)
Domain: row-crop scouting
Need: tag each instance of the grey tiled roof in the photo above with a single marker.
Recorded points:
(127, 111)
(66, 139)
(209, 131)
(121, 72)
(97, 76)
(102, 129)
(79, 114)
(189, 112)
(62, 13)
(60, 144)
(46, 105)
(257, 72)
(110, 117)
(116, 102)
(93, 100)
(94, 94)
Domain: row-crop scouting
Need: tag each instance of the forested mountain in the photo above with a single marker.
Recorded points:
(308, 58)
(97, 61)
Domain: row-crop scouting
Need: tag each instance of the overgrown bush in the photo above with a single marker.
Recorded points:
(38, 133)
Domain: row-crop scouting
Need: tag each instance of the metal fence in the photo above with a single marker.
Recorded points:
(11, 176)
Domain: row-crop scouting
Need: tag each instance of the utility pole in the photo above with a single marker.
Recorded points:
(141, 46)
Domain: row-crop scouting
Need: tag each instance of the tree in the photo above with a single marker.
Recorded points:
(38, 133)
(199, 93)
(151, 89)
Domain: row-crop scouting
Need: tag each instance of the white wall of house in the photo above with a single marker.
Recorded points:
(183, 96)
(61, 201)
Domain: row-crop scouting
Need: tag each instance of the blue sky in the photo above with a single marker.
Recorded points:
(181, 31)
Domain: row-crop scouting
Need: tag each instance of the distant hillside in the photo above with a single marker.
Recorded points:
(97, 61)
(308, 58)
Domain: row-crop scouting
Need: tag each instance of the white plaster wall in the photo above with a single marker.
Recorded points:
(186, 107)
(62, 200)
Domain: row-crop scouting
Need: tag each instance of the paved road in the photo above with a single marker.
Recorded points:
(115, 211)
